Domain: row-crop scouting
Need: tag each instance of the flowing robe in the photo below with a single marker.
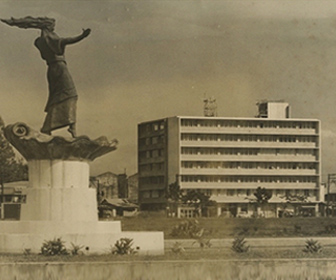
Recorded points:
(61, 104)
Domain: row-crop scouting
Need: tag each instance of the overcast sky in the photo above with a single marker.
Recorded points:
(153, 59)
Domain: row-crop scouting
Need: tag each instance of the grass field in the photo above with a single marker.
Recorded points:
(229, 227)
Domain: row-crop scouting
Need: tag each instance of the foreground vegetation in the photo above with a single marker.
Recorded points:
(188, 254)
(230, 227)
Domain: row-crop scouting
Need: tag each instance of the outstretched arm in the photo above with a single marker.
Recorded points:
(73, 40)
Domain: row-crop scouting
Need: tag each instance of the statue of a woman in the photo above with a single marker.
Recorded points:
(61, 105)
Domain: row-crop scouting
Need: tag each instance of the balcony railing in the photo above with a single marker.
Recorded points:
(247, 130)
(259, 158)
(243, 185)
(243, 144)
(252, 171)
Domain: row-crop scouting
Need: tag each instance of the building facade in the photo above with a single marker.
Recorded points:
(107, 185)
(133, 188)
(229, 158)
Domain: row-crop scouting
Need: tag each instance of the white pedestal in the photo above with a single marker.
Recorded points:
(60, 204)
(59, 191)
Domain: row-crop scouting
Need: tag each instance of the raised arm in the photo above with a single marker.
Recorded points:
(73, 40)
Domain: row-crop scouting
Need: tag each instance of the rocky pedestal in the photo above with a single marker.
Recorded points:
(59, 202)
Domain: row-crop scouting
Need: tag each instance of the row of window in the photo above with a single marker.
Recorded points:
(246, 151)
(152, 194)
(151, 167)
(151, 140)
(152, 180)
(249, 124)
(248, 138)
(247, 165)
(151, 154)
(247, 179)
(150, 127)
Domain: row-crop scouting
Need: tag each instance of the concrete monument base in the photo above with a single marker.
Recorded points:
(59, 202)
(97, 238)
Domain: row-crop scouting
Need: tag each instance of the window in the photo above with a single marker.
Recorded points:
(145, 194)
(243, 208)
(230, 192)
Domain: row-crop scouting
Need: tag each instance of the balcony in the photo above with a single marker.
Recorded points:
(251, 185)
(257, 158)
(252, 171)
(247, 130)
(245, 144)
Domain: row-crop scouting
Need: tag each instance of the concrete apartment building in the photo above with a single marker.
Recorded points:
(229, 158)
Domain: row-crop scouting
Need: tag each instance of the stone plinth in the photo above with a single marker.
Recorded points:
(58, 191)
(59, 202)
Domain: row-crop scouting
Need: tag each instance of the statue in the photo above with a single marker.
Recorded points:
(61, 104)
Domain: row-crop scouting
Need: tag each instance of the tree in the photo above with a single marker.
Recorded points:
(194, 198)
(261, 197)
(174, 192)
(197, 199)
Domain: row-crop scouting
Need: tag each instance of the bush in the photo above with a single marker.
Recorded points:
(189, 228)
(123, 246)
(76, 249)
(330, 228)
(203, 242)
(26, 251)
(312, 246)
(239, 245)
(178, 248)
(53, 248)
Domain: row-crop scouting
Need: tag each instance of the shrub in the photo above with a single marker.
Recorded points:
(189, 228)
(123, 246)
(203, 242)
(53, 247)
(178, 248)
(312, 246)
(76, 249)
(26, 251)
(239, 245)
(297, 228)
(330, 228)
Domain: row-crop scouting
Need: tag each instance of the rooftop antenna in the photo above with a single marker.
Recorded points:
(210, 106)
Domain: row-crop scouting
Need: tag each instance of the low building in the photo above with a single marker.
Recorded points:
(12, 196)
(117, 207)
(107, 185)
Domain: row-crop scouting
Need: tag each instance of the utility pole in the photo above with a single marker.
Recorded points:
(331, 180)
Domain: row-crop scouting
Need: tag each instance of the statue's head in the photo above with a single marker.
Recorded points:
(48, 23)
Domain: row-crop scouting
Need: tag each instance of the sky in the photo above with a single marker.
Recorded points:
(147, 60)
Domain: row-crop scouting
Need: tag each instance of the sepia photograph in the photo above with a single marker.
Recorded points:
(165, 139)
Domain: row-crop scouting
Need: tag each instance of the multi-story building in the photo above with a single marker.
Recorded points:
(229, 158)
